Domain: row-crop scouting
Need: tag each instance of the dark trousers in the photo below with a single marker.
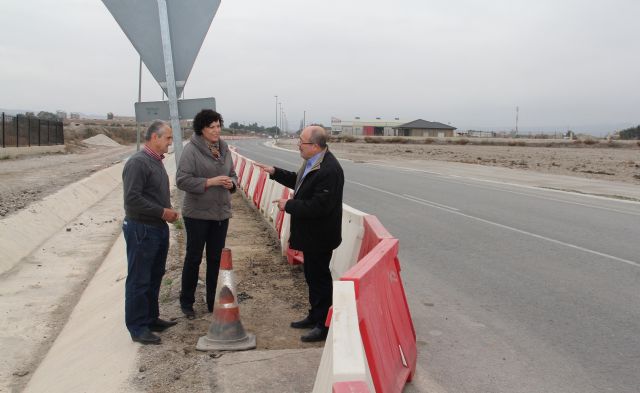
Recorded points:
(147, 248)
(318, 277)
(201, 234)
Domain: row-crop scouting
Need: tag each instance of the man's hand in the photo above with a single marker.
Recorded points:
(223, 181)
(169, 215)
(282, 202)
(269, 169)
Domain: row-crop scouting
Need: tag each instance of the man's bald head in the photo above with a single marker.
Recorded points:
(316, 135)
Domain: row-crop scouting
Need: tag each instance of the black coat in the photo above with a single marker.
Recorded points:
(316, 208)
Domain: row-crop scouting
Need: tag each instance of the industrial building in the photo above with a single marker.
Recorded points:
(425, 129)
(357, 126)
(395, 127)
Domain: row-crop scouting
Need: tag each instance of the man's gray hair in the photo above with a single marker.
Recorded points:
(318, 136)
(157, 127)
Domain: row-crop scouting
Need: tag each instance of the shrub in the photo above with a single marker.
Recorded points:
(590, 141)
(462, 141)
(347, 138)
(429, 141)
(614, 144)
(371, 139)
(398, 139)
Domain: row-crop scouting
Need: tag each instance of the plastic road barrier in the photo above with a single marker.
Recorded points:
(374, 232)
(280, 217)
(265, 201)
(343, 356)
(350, 387)
(246, 179)
(240, 172)
(346, 255)
(385, 320)
(259, 189)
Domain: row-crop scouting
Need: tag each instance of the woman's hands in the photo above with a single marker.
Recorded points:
(222, 181)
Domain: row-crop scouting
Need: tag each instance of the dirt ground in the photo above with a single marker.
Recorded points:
(606, 163)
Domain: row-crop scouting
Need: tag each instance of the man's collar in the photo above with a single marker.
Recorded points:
(153, 154)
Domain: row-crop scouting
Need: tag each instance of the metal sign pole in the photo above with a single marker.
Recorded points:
(139, 100)
(171, 81)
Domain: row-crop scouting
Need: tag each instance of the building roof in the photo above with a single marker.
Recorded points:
(423, 124)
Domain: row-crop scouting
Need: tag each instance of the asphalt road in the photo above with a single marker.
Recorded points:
(511, 289)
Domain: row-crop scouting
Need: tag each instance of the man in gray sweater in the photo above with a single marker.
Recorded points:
(147, 208)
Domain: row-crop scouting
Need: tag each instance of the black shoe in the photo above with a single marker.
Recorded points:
(160, 325)
(316, 334)
(146, 338)
(188, 312)
(304, 324)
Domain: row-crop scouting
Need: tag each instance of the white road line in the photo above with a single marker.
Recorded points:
(448, 209)
(431, 202)
(539, 189)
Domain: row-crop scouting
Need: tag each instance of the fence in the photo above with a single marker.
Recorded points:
(23, 131)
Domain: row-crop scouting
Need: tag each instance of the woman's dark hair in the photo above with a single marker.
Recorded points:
(204, 118)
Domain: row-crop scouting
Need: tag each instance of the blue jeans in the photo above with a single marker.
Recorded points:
(147, 248)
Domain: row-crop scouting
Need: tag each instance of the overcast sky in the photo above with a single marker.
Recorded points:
(565, 63)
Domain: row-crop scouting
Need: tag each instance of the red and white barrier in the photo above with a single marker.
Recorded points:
(346, 255)
(367, 259)
(343, 357)
(385, 320)
(351, 387)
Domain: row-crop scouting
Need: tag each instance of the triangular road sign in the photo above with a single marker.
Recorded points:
(189, 22)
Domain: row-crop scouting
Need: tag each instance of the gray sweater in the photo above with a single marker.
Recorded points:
(146, 189)
(196, 165)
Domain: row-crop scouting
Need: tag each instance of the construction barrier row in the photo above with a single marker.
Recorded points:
(370, 313)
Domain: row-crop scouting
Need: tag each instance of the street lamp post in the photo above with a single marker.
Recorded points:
(276, 116)
(281, 122)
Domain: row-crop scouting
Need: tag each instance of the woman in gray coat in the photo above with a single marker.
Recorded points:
(206, 174)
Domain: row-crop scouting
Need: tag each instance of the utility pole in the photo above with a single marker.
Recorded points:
(304, 119)
(276, 116)
(517, 113)
(281, 123)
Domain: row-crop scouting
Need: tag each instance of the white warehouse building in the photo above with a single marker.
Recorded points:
(357, 126)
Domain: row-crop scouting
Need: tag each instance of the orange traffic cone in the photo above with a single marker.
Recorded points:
(226, 332)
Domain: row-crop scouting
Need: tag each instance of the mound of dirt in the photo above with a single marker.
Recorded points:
(101, 140)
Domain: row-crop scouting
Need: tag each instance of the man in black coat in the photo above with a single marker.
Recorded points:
(316, 221)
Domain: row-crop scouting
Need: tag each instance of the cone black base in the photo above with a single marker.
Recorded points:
(207, 344)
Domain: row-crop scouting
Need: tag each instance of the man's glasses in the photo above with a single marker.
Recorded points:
(304, 143)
